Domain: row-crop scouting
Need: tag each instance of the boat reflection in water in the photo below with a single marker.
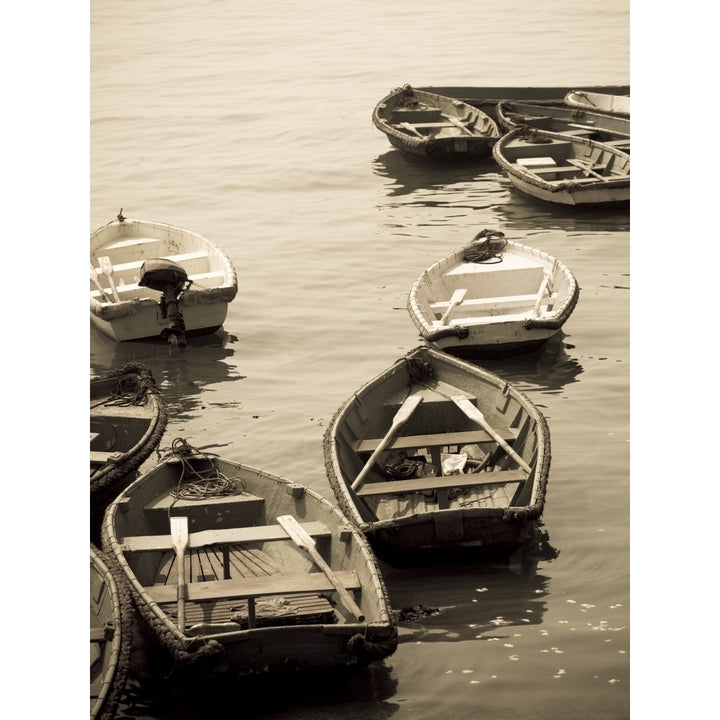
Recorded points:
(181, 374)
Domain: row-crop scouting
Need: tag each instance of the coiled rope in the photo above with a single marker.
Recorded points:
(487, 247)
(200, 483)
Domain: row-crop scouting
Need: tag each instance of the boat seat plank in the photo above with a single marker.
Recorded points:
(405, 442)
(133, 242)
(137, 264)
(260, 533)
(103, 456)
(442, 483)
(127, 288)
(254, 587)
(481, 302)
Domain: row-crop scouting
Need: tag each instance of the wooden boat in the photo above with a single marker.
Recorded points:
(127, 421)
(433, 126)
(487, 98)
(151, 280)
(493, 297)
(599, 102)
(110, 637)
(562, 169)
(611, 129)
(437, 459)
(239, 571)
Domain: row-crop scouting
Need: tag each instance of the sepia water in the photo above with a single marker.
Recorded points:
(250, 124)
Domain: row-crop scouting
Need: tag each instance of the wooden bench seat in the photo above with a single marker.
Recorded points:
(102, 456)
(442, 483)
(120, 268)
(407, 442)
(254, 587)
(505, 300)
(132, 242)
(128, 288)
(259, 533)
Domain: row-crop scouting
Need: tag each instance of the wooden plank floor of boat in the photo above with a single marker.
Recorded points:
(206, 563)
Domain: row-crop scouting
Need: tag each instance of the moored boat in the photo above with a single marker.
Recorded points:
(562, 169)
(242, 573)
(433, 126)
(599, 102)
(110, 637)
(493, 297)
(556, 117)
(152, 280)
(437, 459)
(127, 421)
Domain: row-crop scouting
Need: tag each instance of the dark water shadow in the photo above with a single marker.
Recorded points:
(548, 369)
(475, 601)
(182, 375)
(410, 173)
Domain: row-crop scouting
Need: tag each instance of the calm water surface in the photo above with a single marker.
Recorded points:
(251, 125)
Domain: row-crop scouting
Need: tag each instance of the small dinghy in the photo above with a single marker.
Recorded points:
(437, 459)
(562, 169)
(492, 298)
(239, 571)
(151, 280)
(127, 421)
(606, 128)
(599, 102)
(433, 126)
(110, 637)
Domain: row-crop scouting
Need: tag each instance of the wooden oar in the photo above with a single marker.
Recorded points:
(540, 296)
(405, 411)
(179, 537)
(460, 124)
(96, 281)
(107, 268)
(412, 129)
(457, 297)
(585, 168)
(298, 535)
(476, 416)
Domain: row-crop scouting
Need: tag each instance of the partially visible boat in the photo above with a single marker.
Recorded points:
(432, 126)
(611, 129)
(241, 573)
(493, 297)
(486, 98)
(110, 637)
(127, 421)
(599, 102)
(437, 459)
(152, 280)
(562, 169)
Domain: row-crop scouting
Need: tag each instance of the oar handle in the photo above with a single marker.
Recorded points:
(300, 537)
(476, 416)
(405, 411)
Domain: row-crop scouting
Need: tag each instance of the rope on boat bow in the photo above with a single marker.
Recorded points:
(199, 481)
(487, 247)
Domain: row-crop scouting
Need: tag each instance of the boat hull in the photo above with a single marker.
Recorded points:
(437, 517)
(127, 421)
(140, 312)
(110, 637)
(564, 170)
(515, 298)
(617, 104)
(283, 631)
(434, 127)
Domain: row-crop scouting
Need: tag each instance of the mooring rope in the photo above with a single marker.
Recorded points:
(200, 484)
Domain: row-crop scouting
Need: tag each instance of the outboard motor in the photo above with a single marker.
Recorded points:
(172, 281)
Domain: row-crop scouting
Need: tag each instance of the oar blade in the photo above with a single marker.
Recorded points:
(298, 534)
(179, 532)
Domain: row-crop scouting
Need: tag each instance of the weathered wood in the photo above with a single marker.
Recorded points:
(255, 587)
(467, 437)
(443, 482)
(259, 533)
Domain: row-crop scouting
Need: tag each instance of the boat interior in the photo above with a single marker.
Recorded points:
(119, 264)
(241, 567)
(484, 288)
(458, 465)
(424, 121)
(560, 159)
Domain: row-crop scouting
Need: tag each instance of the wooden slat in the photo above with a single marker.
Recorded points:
(255, 587)
(101, 456)
(438, 439)
(441, 483)
(260, 533)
